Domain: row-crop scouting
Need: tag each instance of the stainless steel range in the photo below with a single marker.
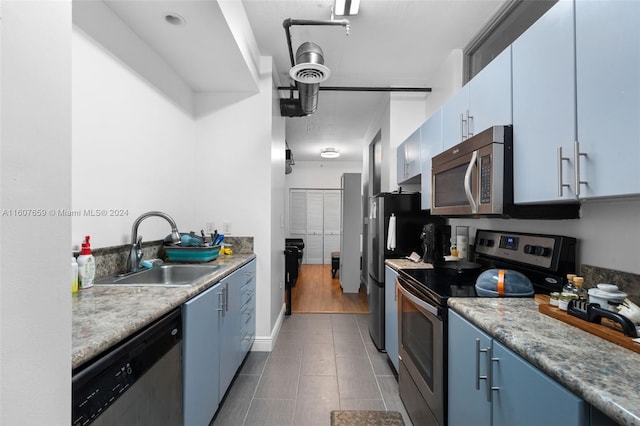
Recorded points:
(422, 308)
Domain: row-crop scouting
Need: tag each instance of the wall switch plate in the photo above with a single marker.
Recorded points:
(211, 227)
(226, 228)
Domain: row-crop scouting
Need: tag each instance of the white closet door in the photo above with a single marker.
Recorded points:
(315, 226)
(297, 212)
(332, 202)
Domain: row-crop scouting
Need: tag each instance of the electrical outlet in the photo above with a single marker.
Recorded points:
(211, 227)
(226, 228)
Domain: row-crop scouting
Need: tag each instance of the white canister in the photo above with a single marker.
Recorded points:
(607, 299)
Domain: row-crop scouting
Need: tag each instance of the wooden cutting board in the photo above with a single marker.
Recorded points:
(608, 330)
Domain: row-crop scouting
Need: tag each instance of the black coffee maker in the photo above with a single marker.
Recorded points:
(436, 242)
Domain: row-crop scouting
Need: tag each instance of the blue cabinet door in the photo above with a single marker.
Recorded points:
(467, 374)
(608, 98)
(229, 326)
(200, 360)
(391, 315)
(525, 396)
(544, 108)
(430, 146)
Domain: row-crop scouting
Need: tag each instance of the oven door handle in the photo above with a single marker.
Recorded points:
(467, 182)
(415, 300)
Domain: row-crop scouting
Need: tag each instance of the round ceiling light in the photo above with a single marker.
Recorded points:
(329, 153)
(174, 19)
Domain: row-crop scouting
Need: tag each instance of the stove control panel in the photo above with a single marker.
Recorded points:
(535, 250)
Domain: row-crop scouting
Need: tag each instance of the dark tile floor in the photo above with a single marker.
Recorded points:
(320, 363)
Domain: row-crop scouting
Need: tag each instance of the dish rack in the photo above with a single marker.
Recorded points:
(192, 254)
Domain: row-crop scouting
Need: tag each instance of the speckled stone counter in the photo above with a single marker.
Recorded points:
(398, 264)
(605, 375)
(105, 315)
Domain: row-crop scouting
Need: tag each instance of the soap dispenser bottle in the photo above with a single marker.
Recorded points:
(86, 265)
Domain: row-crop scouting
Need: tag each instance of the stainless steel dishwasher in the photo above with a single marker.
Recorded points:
(138, 382)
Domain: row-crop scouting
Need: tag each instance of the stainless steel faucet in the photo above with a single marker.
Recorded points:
(135, 256)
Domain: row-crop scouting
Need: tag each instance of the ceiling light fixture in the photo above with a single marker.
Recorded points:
(174, 19)
(346, 7)
(329, 153)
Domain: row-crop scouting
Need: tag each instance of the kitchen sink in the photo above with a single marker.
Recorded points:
(165, 275)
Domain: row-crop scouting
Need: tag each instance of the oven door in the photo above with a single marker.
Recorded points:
(471, 183)
(421, 348)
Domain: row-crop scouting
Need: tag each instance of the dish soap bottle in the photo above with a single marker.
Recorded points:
(74, 275)
(86, 265)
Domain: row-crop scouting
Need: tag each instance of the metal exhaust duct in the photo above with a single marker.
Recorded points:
(309, 72)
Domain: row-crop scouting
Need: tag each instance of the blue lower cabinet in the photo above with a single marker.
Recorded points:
(218, 331)
(491, 385)
(391, 315)
(200, 357)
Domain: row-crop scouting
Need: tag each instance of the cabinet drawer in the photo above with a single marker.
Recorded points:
(247, 293)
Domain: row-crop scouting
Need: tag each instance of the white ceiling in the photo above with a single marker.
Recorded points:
(391, 43)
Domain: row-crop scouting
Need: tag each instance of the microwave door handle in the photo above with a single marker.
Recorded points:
(467, 182)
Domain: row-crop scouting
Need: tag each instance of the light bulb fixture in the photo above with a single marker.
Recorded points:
(174, 19)
(329, 153)
(346, 7)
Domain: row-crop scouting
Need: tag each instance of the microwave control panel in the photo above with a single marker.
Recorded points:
(485, 179)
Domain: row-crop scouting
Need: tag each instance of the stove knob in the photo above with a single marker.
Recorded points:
(489, 243)
(542, 251)
(481, 242)
(529, 249)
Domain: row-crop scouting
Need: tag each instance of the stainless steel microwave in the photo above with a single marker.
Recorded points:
(475, 178)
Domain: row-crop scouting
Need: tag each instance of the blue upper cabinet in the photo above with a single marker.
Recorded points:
(408, 156)
(544, 108)
(483, 102)
(430, 146)
(608, 97)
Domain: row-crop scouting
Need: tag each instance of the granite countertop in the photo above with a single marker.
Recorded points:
(404, 263)
(602, 373)
(104, 315)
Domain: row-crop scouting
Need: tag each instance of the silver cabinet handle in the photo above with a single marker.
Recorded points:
(463, 132)
(478, 376)
(490, 361)
(576, 155)
(561, 185)
(467, 182)
(220, 301)
(469, 124)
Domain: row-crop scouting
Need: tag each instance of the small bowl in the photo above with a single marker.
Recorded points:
(608, 287)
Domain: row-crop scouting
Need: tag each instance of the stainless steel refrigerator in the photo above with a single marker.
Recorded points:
(409, 220)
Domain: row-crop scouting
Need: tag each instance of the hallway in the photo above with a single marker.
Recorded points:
(317, 292)
(320, 363)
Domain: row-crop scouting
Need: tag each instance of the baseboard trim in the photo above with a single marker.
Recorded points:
(266, 343)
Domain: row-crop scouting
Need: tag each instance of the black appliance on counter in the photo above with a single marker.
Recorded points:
(409, 221)
(436, 242)
(422, 308)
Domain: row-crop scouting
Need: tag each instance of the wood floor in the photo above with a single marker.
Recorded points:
(316, 292)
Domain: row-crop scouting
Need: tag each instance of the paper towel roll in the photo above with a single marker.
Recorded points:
(391, 234)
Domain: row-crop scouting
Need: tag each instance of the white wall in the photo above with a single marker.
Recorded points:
(35, 164)
(133, 150)
(235, 147)
(608, 232)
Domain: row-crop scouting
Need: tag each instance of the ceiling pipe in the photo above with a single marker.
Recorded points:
(288, 23)
(293, 107)
(365, 89)
(309, 55)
